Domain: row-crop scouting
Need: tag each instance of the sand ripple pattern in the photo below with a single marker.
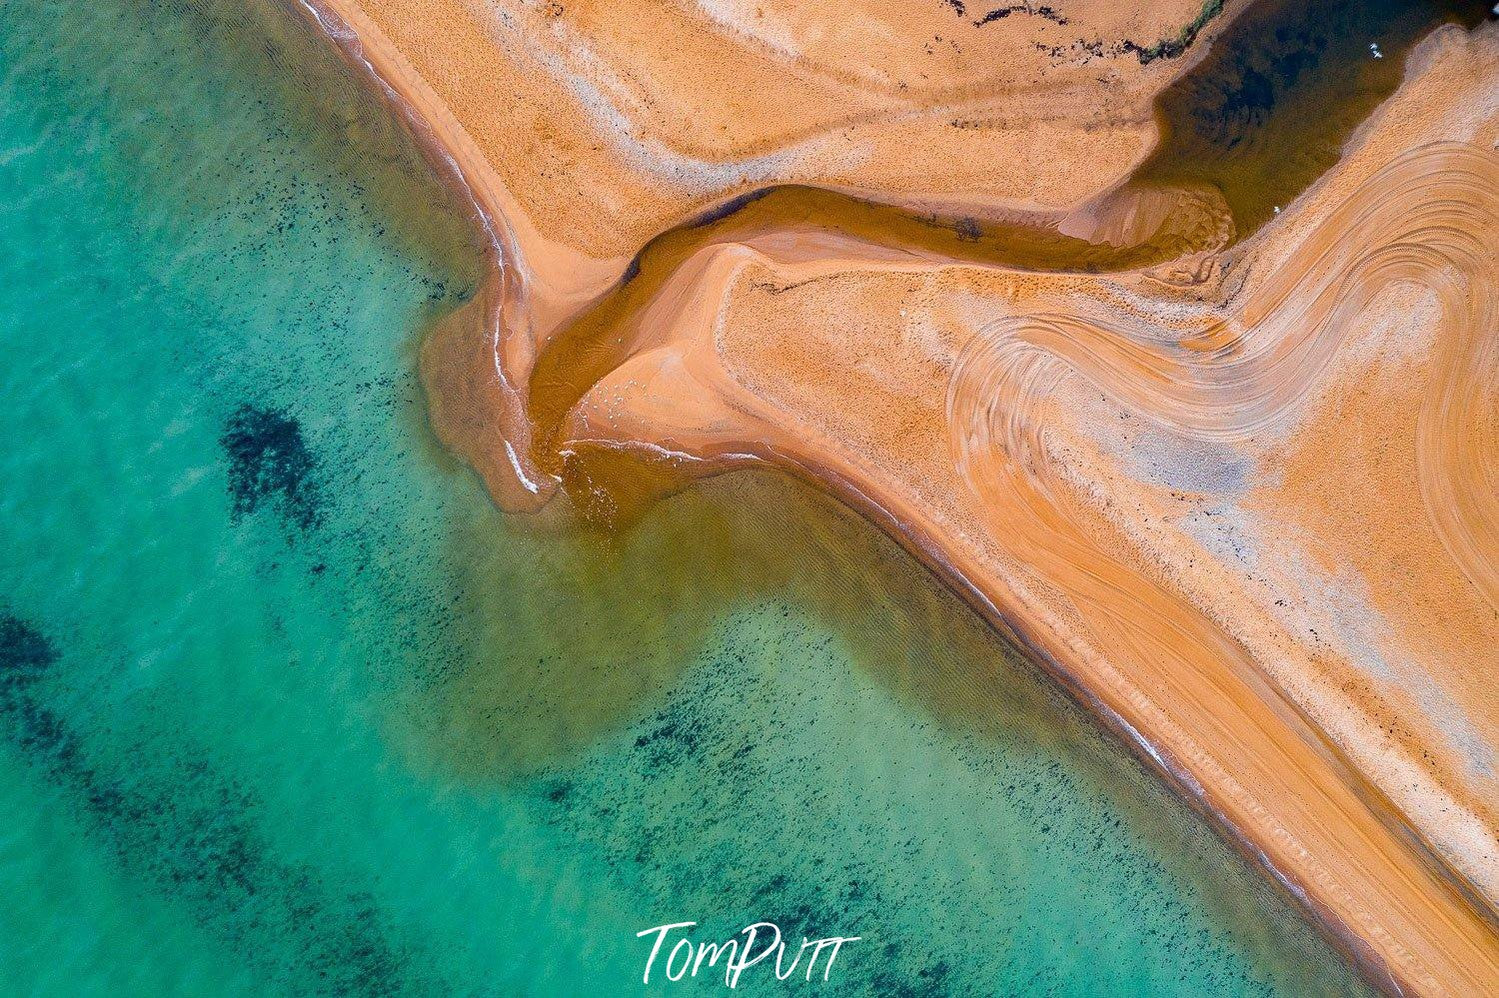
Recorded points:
(1431, 217)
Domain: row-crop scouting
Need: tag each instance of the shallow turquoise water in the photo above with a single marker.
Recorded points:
(288, 708)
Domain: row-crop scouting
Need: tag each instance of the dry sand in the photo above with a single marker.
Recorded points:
(1243, 503)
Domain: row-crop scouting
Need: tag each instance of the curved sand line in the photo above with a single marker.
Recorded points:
(702, 385)
(1435, 214)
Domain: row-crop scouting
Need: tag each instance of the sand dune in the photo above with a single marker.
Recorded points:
(1242, 501)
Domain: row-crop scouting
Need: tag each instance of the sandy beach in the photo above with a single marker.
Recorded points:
(1237, 496)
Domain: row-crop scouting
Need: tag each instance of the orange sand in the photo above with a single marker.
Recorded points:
(573, 141)
(1242, 503)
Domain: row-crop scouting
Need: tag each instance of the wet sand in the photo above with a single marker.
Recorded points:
(1127, 472)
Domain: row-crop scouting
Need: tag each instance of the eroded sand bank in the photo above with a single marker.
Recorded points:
(1242, 501)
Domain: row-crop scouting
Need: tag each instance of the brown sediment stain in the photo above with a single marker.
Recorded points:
(809, 223)
(937, 390)
(648, 596)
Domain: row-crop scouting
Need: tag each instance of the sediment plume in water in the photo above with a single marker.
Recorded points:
(1213, 439)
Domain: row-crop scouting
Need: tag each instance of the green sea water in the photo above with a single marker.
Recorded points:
(288, 708)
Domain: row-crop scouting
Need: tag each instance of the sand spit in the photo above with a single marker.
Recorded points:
(1242, 502)
(579, 139)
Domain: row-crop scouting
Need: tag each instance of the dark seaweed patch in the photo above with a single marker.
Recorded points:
(25, 652)
(270, 462)
(1170, 48)
(729, 207)
(191, 833)
(1000, 13)
(701, 741)
(735, 819)
(25, 656)
(672, 743)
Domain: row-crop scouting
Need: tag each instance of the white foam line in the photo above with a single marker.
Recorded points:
(348, 40)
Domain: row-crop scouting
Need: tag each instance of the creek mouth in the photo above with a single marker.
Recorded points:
(1270, 107)
(1261, 118)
